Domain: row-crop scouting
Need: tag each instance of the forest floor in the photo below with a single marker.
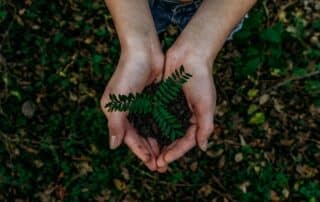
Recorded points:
(57, 57)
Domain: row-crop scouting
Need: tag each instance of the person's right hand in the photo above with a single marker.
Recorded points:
(139, 65)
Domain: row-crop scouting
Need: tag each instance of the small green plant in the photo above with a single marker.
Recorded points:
(311, 191)
(143, 103)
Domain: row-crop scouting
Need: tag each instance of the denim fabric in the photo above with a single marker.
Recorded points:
(167, 12)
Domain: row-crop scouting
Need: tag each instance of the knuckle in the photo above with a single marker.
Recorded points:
(113, 125)
(158, 64)
(208, 128)
(103, 101)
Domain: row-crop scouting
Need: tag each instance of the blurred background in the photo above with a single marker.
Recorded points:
(56, 58)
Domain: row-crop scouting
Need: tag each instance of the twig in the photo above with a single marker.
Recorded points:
(71, 63)
(173, 184)
(314, 141)
(265, 7)
(223, 195)
(143, 172)
(294, 78)
(228, 142)
(217, 181)
(6, 33)
(291, 3)
(157, 181)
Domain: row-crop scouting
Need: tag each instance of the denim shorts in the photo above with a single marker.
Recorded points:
(167, 12)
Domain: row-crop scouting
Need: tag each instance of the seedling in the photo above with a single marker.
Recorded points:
(156, 104)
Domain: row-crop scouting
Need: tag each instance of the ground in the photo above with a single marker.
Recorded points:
(57, 57)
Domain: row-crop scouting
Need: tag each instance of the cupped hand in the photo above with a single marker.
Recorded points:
(137, 68)
(200, 94)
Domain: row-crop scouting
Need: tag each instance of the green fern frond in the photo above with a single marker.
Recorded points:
(167, 123)
(170, 87)
(142, 104)
(120, 102)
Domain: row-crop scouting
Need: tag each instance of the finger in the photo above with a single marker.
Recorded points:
(117, 126)
(151, 164)
(155, 150)
(161, 164)
(162, 169)
(203, 100)
(204, 112)
(140, 148)
(116, 122)
(181, 146)
(154, 146)
(204, 130)
(160, 160)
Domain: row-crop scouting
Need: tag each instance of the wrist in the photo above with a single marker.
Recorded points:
(137, 43)
(144, 47)
(193, 48)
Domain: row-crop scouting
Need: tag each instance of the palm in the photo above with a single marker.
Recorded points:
(201, 97)
(130, 76)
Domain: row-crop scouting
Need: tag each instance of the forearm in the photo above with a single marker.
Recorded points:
(214, 21)
(133, 21)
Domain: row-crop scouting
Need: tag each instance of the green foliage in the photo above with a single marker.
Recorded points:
(273, 34)
(310, 191)
(263, 180)
(168, 124)
(257, 119)
(170, 87)
(142, 103)
(60, 55)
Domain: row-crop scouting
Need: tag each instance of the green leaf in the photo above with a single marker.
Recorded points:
(257, 119)
(96, 59)
(252, 93)
(316, 102)
(101, 32)
(252, 108)
(316, 24)
(251, 67)
(273, 34)
(312, 86)
(3, 15)
(299, 71)
(252, 52)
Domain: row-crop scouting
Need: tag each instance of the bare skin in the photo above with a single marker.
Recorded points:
(142, 62)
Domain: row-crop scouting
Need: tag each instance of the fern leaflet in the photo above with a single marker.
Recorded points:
(142, 103)
(169, 88)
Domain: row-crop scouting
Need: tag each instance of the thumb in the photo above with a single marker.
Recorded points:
(204, 130)
(117, 129)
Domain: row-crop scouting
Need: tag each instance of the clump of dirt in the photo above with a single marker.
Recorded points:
(146, 125)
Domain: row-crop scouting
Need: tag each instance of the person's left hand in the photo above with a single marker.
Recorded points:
(200, 94)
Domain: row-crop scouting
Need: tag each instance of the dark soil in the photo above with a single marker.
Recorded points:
(146, 125)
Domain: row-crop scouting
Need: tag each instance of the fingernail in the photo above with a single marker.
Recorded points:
(204, 146)
(113, 139)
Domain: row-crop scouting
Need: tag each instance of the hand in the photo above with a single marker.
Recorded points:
(200, 94)
(196, 49)
(138, 67)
